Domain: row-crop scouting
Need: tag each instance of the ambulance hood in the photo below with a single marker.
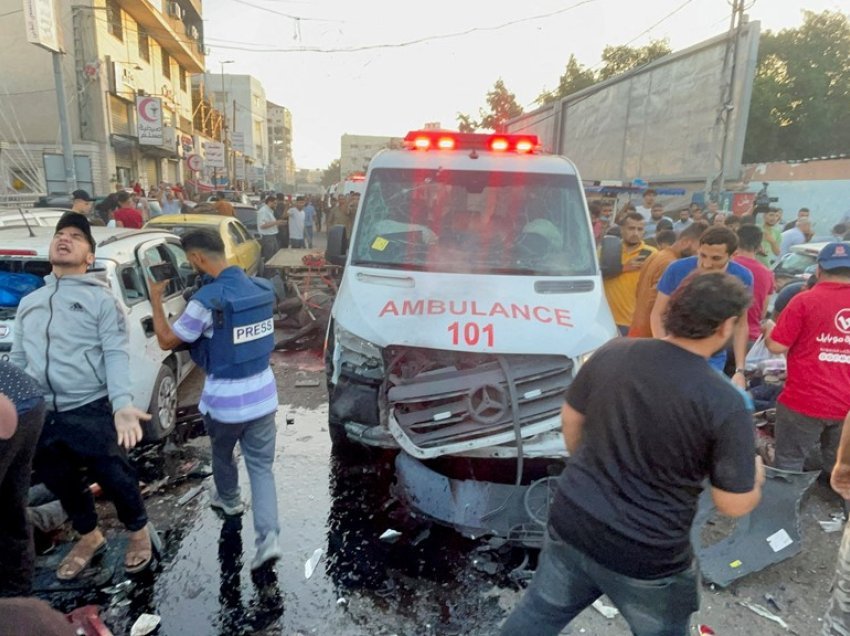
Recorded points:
(475, 313)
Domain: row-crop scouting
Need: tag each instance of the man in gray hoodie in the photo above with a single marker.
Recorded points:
(71, 336)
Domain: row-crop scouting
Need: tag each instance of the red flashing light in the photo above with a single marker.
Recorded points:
(499, 144)
(444, 140)
(18, 253)
(357, 177)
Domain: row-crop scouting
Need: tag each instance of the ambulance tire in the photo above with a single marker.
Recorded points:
(163, 407)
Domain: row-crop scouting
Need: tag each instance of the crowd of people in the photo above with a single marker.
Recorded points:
(626, 500)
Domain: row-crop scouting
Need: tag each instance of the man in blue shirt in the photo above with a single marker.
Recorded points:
(716, 247)
(309, 220)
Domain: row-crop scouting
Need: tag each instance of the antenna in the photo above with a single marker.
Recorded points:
(26, 222)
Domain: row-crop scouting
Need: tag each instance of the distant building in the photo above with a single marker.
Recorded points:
(243, 99)
(356, 151)
(123, 58)
(309, 181)
(281, 173)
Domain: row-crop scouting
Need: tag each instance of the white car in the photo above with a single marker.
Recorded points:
(31, 216)
(124, 258)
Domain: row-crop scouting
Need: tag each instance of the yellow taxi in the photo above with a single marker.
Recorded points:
(240, 247)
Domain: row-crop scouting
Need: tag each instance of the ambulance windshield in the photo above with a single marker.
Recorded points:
(464, 221)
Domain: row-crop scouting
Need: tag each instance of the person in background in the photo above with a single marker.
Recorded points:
(839, 231)
(620, 289)
(837, 619)
(802, 213)
(664, 239)
(267, 226)
(733, 222)
(297, 222)
(697, 213)
(812, 333)
(717, 245)
(771, 244)
(22, 410)
(280, 208)
(624, 504)
(656, 214)
(682, 222)
(749, 240)
(82, 204)
(645, 210)
(170, 203)
(222, 206)
(719, 219)
(309, 220)
(796, 235)
(686, 244)
(126, 215)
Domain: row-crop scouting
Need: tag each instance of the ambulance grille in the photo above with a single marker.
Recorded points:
(450, 404)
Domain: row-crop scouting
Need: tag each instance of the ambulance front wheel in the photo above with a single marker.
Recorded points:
(163, 406)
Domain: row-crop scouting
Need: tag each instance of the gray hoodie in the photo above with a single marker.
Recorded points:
(71, 336)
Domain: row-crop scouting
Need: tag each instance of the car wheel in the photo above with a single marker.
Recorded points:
(163, 407)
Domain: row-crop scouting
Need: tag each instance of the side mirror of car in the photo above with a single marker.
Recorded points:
(337, 248)
(610, 260)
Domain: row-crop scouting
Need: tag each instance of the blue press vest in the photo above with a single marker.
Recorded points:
(243, 326)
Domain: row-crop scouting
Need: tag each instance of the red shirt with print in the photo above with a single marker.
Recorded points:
(763, 285)
(815, 326)
(129, 217)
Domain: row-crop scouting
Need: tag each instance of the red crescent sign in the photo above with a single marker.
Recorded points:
(144, 105)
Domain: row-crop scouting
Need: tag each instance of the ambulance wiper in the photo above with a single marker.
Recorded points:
(382, 265)
(519, 271)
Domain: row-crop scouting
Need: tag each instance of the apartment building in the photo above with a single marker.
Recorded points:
(281, 172)
(356, 151)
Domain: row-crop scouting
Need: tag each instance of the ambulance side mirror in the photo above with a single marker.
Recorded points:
(337, 248)
(610, 262)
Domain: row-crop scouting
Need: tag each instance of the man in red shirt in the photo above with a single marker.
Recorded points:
(126, 215)
(749, 240)
(814, 332)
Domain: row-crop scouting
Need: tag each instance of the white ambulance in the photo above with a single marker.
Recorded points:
(471, 295)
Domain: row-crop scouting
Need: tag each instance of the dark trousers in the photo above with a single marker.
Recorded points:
(567, 581)
(797, 435)
(269, 246)
(17, 556)
(80, 446)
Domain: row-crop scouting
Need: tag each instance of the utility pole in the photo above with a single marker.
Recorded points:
(65, 130)
(725, 114)
(224, 136)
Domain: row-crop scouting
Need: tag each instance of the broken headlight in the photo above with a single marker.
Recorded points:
(582, 358)
(357, 354)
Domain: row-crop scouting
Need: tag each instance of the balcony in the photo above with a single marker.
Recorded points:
(170, 30)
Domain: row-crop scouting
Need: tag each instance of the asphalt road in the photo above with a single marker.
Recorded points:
(429, 581)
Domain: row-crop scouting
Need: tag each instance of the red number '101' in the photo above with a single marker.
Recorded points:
(471, 333)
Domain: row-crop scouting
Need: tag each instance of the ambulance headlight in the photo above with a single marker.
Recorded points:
(581, 359)
(351, 345)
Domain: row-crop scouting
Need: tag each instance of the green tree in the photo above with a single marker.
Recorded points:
(801, 93)
(619, 59)
(502, 106)
(576, 77)
(331, 174)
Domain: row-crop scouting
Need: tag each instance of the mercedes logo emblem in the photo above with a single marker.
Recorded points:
(487, 404)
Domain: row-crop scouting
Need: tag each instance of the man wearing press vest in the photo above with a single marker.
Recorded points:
(228, 323)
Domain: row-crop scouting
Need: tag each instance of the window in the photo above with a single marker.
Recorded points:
(131, 284)
(235, 236)
(144, 46)
(182, 73)
(166, 64)
(168, 253)
(113, 19)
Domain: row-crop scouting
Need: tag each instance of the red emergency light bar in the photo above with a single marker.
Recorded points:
(449, 140)
(18, 252)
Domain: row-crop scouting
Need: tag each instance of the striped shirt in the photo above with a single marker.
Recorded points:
(227, 400)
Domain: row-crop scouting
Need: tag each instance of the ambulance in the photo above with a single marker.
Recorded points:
(471, 295)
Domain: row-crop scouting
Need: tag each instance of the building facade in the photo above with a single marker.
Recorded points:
(356, 151)
(126, 63)
(281, 172)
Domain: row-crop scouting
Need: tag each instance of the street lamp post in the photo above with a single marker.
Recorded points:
(224, 119)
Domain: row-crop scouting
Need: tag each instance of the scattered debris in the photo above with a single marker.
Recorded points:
(419, 538)
(189, 495)
(121, 588)
(705, 630)
(342, 601)
(312, 562)
(484, 564)
(306, 383)
(771, 600)
(156, 486)
(87, 621)
(835, 523)
(607, 611)
(390, 535)
(764, 613)
(290, 419)
(144, 625)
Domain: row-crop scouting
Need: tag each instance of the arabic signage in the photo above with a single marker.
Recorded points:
(42, 30)
(240, 167)
(237, 141)
(214, 154)
(149, 120)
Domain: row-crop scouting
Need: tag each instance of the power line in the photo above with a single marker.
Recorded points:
(285, 15)
(396, 45)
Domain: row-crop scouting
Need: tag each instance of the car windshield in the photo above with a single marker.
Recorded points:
(794, 264)
(474, 222)
(180, 230)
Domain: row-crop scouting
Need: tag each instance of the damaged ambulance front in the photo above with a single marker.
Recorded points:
(470, 297)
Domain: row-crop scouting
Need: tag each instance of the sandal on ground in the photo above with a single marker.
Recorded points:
(77, 560)
(140, 551)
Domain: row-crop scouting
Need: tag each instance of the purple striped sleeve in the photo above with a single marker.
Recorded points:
(193, 322)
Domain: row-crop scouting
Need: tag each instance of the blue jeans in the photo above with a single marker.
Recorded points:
(257, 441)
(567, 581)
(308, 235)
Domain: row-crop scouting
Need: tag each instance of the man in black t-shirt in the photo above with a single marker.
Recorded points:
(626, 500)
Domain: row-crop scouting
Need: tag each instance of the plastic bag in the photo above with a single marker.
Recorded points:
(759, 357)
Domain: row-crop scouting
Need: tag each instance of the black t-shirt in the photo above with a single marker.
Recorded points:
(658, 421)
